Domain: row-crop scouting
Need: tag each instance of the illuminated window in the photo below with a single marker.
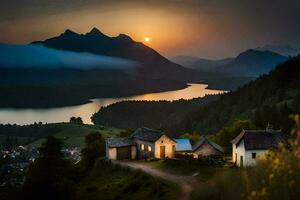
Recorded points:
(142, 146)
(149, 148)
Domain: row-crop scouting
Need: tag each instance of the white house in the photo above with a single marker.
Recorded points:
(144, 143)
(250, 144)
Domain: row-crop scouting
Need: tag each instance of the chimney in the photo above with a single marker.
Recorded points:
(269, 128)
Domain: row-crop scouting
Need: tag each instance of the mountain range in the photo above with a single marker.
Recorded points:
(285, 50)
(250, 63)
(154, 65)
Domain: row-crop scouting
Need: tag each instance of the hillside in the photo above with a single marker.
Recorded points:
(270, 98)
(72, 135)
(154, 114)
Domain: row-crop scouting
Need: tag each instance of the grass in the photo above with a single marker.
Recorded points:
(110, 181)
(187, 168)
(73, 135)
(228, 183)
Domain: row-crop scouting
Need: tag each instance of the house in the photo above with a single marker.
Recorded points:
(205, 147)
(120, 149)
(250, 144)
(144, 143)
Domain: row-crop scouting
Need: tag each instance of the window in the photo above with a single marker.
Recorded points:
(149, 148)
(142, 146)
(173, 148)
(253, 155)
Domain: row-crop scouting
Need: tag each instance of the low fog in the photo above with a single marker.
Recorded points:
(22, 56)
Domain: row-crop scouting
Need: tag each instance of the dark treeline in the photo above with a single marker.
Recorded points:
(269, 99)
(155, 114)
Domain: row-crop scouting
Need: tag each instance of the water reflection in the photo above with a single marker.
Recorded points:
(85, 111)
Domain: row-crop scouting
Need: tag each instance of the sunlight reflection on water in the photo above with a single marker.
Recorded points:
(85, 111)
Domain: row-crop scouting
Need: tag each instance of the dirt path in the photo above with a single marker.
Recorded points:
(185, 182)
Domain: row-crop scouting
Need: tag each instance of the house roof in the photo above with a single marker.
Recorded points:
(183, 145)
(260, 139)
(204, 140)
(147, 134)
(119, 142)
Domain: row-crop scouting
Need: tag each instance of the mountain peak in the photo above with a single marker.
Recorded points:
(124, 37)
(95, 31)
(69, 32)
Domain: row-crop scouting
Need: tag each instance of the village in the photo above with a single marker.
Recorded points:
(149, 144)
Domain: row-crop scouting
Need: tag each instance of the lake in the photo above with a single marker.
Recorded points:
(85, 111)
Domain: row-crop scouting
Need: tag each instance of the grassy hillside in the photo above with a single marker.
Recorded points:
(71, 134)
(108, 181)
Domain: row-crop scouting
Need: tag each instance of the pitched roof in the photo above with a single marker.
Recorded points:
(147, 134)
(183, 145)
(204, 140)
(260, 139)
(119, 142)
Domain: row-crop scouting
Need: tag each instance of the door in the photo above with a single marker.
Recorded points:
(162, 151)
(241, 161)
(235, 159)
(124, 153)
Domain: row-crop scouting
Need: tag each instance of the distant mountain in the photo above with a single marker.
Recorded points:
(96, 42)
(38, 56)
(209, 65)
(285, 50)
(184, 60)
(122, 46)
(251, 63)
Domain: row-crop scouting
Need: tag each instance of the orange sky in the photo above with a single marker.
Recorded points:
(213, 29)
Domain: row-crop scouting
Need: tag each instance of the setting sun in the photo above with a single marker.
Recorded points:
(147, 39)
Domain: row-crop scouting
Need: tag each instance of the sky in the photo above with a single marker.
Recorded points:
(203, 28)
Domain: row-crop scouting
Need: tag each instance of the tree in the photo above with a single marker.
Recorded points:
(50, 175)
(225, 135)
(278, 172)
(95, 148)
(76, 120)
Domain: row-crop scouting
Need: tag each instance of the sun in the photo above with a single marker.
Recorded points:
(147, 39)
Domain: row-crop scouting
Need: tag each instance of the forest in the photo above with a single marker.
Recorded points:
(269, 99)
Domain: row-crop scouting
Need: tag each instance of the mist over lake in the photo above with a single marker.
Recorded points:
(38, 56)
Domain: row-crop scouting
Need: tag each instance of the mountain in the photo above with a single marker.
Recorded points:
(122, 46)
(251, 63)
(97, 43)
(209, 65)
(184, 60)
(38, 56)
(285, 50)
